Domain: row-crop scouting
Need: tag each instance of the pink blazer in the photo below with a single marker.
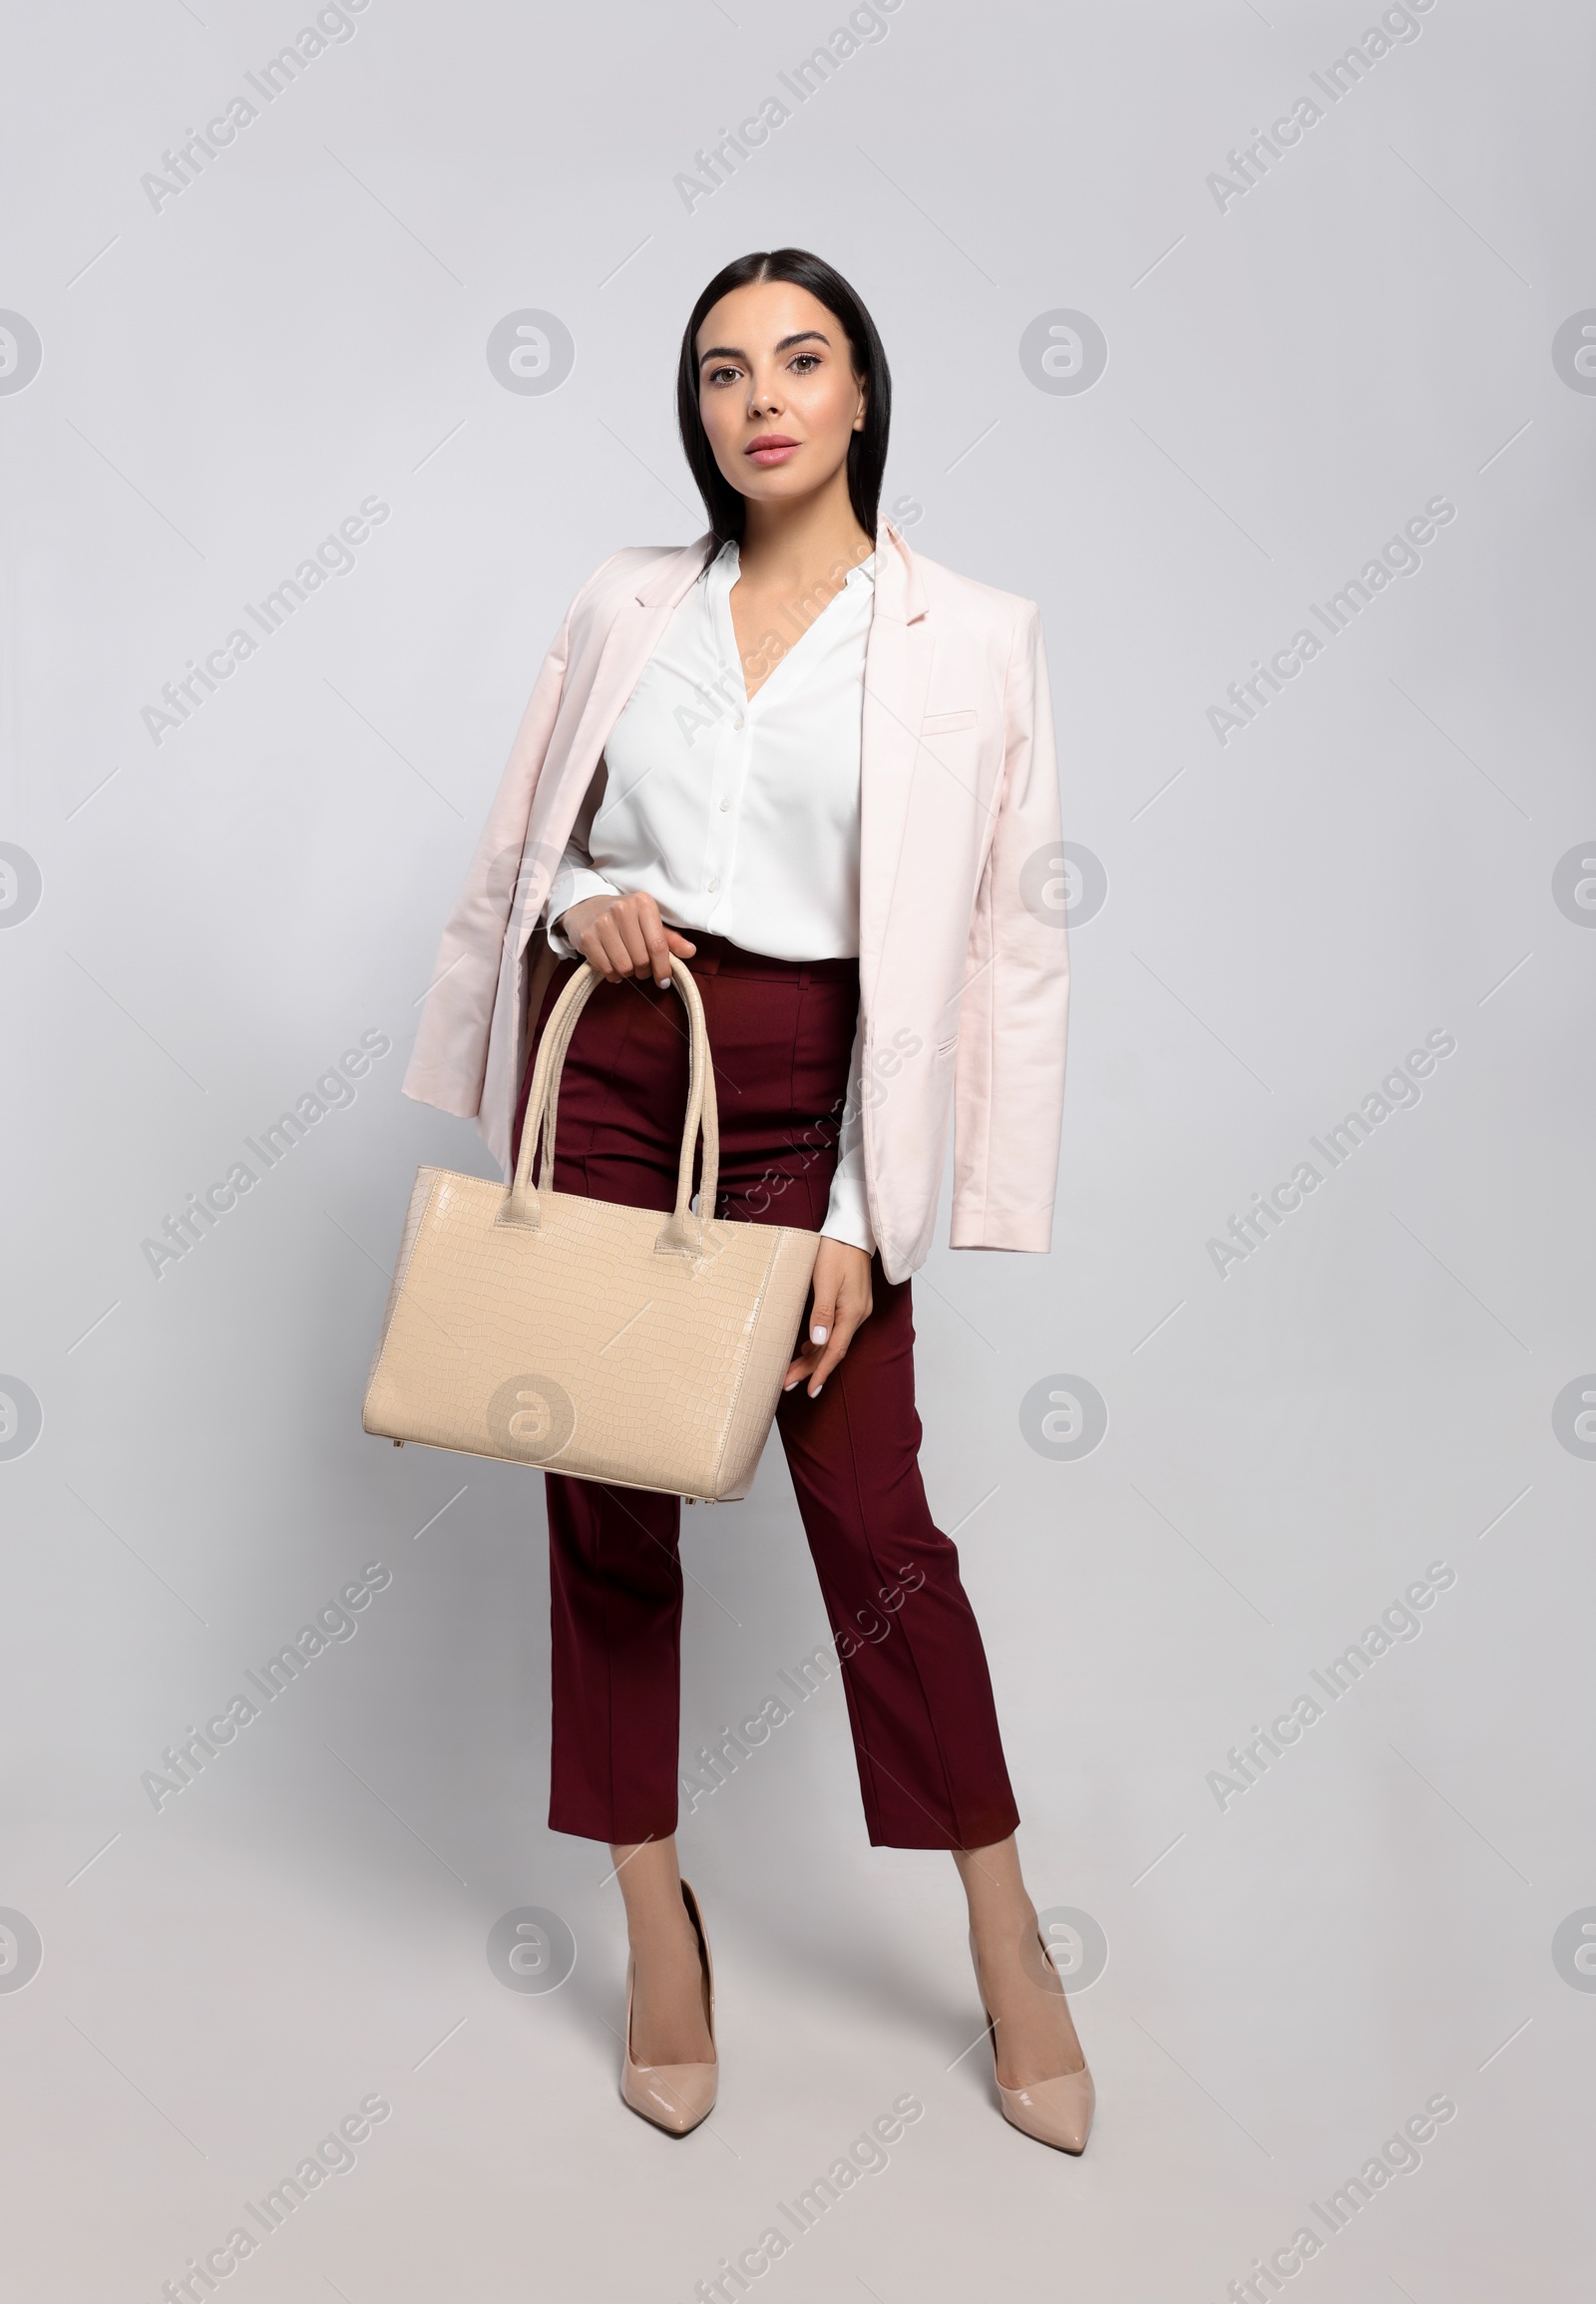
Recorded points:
(963, 967)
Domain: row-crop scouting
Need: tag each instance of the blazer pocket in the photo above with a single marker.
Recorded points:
(945, 723)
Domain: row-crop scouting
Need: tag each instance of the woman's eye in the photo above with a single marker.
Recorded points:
(806, 361)
(717, 375)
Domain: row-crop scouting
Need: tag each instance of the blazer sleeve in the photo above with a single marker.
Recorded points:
(449, 1060)
(1009, 1069)
(450, 1056)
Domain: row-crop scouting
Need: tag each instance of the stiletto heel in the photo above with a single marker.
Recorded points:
(1057, 2112)
(675, 2097)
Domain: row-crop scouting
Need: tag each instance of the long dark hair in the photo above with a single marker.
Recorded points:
(867, 449)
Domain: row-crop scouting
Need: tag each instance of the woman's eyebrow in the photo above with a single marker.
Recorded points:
(735, 351)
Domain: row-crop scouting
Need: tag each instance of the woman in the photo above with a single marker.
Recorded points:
(819, 769)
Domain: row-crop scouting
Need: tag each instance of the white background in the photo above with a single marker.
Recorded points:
(1288, 1445)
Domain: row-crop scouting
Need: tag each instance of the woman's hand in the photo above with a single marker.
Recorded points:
(623, 935)
(842, 1303)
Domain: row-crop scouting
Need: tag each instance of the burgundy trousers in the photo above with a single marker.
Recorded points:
(919, 1694)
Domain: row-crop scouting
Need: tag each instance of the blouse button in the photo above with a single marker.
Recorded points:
(713, 885)
(740, 721)
(726, 804)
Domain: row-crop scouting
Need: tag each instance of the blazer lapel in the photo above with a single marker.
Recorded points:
(628, 644)
(634, 634)
(897, 678)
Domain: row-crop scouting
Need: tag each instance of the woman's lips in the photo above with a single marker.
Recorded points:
(771, 452)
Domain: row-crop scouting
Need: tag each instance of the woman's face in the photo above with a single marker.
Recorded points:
(776, 389)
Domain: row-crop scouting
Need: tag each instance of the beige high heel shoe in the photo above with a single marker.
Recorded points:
(1057, 2112)
(675, 2097)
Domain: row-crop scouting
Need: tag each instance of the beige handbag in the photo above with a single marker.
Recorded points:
(590, 1339)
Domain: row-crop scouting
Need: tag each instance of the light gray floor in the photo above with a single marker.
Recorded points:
(306, 1925)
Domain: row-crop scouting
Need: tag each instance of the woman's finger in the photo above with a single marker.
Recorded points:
(590, 945)
(816, 1336)
(823, 1310)
(633, 937)
(846, 1320)
(617, 940)
(614, 963)
(841, 1336)
(658, 949)
(816, 1362)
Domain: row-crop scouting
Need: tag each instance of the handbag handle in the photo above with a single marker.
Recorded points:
(682, 1233)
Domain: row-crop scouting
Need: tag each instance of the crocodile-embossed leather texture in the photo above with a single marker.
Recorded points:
(604, 1342)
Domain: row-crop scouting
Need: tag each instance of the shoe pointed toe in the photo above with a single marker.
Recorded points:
(675, 2097)
(1055, 2111)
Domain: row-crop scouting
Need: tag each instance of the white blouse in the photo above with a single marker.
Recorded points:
(739, 815)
